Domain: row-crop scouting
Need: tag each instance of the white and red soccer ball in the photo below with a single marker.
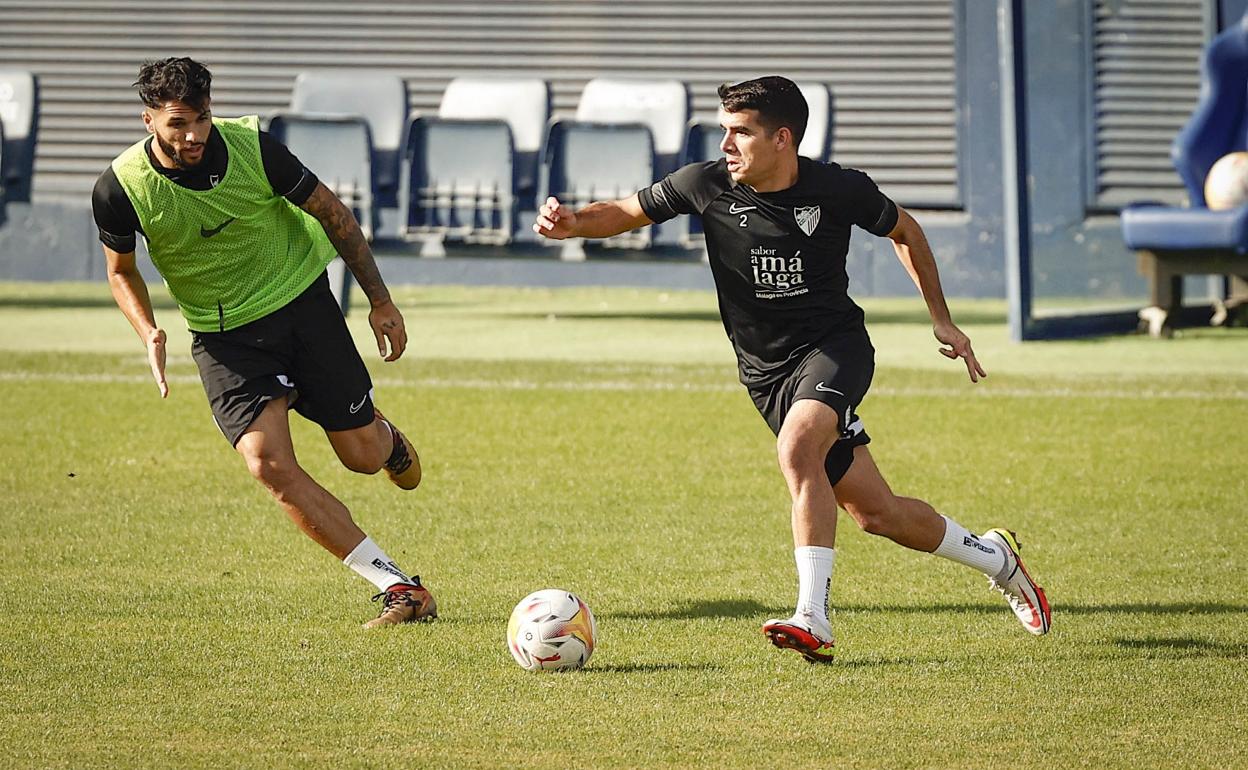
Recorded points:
(551, 630)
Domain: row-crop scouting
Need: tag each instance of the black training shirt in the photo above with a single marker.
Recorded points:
(778, 258)
(115, 215)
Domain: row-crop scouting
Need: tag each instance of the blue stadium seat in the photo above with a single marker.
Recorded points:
(599, 161)
(703, 140)
(3, 200)
(1174, 241)
(626, 135)
(19, 112)
(378, 97)
(525, 105)
(663, 106)
(338, 150)
(460, 182)
(471, 169)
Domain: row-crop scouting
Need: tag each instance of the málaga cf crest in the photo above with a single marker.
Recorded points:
(807, 218)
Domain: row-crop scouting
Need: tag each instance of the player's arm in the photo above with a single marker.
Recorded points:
(130, 293)
(916, 256)
(345, 233)
(597, 220)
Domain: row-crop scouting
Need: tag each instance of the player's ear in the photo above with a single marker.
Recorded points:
(783, 138)
(147, 121)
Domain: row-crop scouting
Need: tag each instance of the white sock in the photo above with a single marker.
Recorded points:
(814, 583)
(966, 548)
(372, 564)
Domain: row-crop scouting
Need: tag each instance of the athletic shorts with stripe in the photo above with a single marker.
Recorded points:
(302, 351)
(836, 372)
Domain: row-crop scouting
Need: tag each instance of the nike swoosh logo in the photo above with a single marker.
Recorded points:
(825, 389)
(357, 407)
(733, 208)
(206, 233)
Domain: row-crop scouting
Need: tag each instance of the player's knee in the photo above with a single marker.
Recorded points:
(800, 455)
(274, 471)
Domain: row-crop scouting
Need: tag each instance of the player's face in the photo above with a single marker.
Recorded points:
(181, 132)
(753, 153)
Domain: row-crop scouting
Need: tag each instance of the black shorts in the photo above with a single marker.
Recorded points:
(838, 373)
(303, 351)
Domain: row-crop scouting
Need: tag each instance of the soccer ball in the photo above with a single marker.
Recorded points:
(551, 630)
(1226, 187)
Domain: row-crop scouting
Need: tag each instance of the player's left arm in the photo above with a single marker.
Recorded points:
(916, 256)
(345, 233)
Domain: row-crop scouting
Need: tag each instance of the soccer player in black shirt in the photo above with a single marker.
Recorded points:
(777, 233)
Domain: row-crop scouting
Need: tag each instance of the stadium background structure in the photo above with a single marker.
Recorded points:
(1102, 87)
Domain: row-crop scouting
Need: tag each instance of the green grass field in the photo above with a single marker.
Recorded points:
(158, 610)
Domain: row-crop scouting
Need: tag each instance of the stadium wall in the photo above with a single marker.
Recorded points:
(915, 85)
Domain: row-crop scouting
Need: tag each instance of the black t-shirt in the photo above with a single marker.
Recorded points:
(778, 257)
(114, 212)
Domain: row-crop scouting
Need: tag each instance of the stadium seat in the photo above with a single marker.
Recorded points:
(626, 135)
(596, 161)
(663, 106)
(1175, 241)
(473, 168)
(338, 150)
(460, 182)
(3, 199)
(380, 98)
(19, 112)
(816, 143)
(525, 105)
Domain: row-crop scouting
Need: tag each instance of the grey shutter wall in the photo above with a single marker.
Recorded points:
(891, 65)
(1147, 57)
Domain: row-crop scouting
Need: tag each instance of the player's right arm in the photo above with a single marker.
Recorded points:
(117, 221)
(597, 220)
(688, 190)
(130, 293)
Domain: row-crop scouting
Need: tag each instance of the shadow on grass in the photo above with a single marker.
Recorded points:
(745, 608)
(651, 668)
(1183, 647)
(715, 608)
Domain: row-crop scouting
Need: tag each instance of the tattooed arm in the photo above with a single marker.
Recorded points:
(344, 232)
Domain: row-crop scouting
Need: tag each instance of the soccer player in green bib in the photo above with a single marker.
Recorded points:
(242, 232)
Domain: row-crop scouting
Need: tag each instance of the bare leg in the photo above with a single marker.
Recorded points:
(866, 496)
(362, 450)
(372, 447)
(270, 456)
(809, 430)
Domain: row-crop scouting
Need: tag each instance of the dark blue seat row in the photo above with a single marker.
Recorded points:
(477, 171)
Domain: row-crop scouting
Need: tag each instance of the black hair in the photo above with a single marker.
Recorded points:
(777, 99)
(177, 79)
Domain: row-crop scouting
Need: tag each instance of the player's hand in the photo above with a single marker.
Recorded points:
(387, 323)
(555, 220)
(156, 359)
(959, 347)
